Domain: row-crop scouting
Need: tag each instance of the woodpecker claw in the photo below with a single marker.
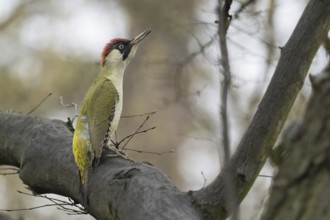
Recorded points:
(114, 152)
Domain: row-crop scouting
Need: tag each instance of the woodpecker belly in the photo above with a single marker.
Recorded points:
(116, 118)
(114, 121)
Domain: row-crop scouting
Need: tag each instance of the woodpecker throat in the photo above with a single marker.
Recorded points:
(101, 108)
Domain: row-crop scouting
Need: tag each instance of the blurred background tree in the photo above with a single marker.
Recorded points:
(54, 47)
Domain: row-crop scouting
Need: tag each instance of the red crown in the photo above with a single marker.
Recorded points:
(108, 48)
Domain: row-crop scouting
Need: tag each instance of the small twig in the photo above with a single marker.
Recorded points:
(28, 209)
(143, 131)
(179, 66)
(244, 5)
(57, 202)
(42, 101)
(69, 123)
(151, 152)
(216, 143)
(14, 169)
(139, 115)
(188, 59)
(267, 176)
(68, 105)
(137, 130)
(193, 55)
(204, 178)
(35, 195)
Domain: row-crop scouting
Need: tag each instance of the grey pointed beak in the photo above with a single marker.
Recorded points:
(140, 37)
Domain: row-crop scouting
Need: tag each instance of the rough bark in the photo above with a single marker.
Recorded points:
(289, 76)
(301, 190)
(119, 189)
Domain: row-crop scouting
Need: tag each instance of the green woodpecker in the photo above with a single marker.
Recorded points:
(101, 108)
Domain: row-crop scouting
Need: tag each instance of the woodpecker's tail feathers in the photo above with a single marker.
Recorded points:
(84, 187)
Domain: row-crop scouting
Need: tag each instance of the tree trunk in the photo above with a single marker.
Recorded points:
(301, 188)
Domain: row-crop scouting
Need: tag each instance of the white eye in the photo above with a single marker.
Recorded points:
(121, 46)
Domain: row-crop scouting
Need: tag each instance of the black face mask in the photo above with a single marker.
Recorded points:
(126, 51)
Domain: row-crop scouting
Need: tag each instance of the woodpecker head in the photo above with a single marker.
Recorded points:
(120, 51)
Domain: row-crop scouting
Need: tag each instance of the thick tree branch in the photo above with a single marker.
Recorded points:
(301, 188)
(119, 189)
(272, 112)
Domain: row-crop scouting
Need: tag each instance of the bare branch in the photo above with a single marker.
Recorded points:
(244, 5)
(188, 59)
(68, 105)
(37, 106)
(223, 24)
(150, 152)
(225, 71)
(132, 135)
(136, 132)
(9, 171)
(252, 152)
(61, 204)
(204, 178)
(138, 115)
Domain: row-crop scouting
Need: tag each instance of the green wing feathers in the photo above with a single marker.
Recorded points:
(100, 113)
(93, 124)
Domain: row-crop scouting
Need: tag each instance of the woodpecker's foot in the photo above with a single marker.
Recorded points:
(119, 153)
(115, 144)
